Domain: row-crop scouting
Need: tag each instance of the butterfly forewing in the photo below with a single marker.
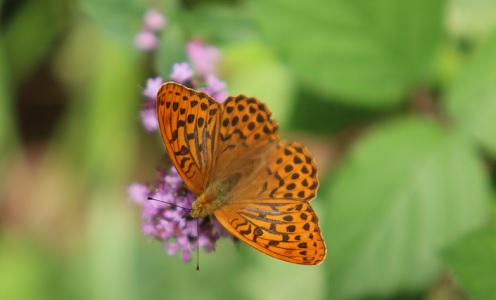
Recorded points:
(189, 124)
(245, 134)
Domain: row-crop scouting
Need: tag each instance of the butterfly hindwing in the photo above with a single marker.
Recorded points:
(189, 123)
(271, 210)
(285, 229)
(291, 174)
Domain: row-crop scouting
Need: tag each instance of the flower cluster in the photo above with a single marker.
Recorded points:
(169, 222)
(168, 218)
(147, 38)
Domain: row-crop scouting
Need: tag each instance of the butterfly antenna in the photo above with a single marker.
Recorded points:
(197, 246)
(197, 229)
(185, 208)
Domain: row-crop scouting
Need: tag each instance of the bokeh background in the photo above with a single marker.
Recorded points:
(396, 100)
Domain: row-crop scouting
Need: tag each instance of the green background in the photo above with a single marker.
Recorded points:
(396, 100)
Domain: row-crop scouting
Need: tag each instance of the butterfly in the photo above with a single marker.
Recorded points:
(257, 186)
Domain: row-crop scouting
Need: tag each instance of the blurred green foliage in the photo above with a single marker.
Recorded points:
(396, 99)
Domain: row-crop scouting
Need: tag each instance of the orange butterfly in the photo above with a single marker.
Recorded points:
(230, 156)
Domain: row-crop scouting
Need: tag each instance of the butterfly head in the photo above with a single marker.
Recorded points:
(197, 209)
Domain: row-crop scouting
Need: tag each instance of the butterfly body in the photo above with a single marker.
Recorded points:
(206, 204)
(257, 186)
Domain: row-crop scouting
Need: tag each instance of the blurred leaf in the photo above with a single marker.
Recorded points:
(471, 19)
(369, 52)
(405, 192)
(31, 34)
(171, 50)
(122, 18)
(314, 112)
(471, 99)
(217, 23)
(473, 261)
(253, 70)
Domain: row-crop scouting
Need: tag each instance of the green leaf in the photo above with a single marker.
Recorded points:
(217, 23)
(369, 52)
(473, 261)
(405, 192)
(122, 18)
(313, 112)
(471, 99)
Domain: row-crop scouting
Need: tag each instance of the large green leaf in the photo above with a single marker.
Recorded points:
(405, 192)
(471, 99)
(370, 52)
(314, 113)
(473, 261)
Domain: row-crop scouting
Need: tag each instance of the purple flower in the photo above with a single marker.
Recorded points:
(146, 40)
(152, 86)
(154, 20)
(137, 192)
(215, 88)
(204, 58)
(181, 72)
(149, 118)
(169, 222)
(148, 112)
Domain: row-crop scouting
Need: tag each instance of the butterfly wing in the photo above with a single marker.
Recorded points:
(246, 130)
(276, 217)
(291, 173)
(189, 122)
(285, 229)
(268, 200)
(245, 121)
